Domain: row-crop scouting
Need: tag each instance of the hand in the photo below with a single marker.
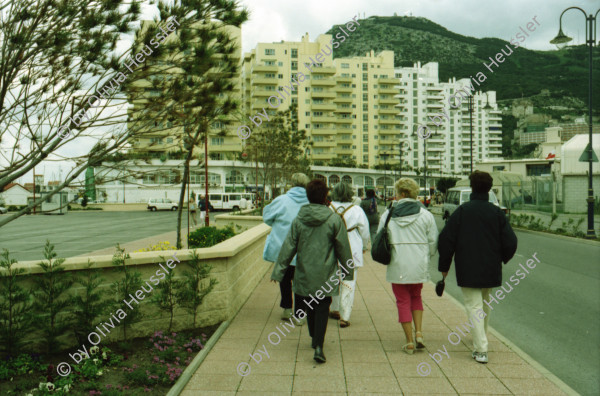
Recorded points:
(444, 274)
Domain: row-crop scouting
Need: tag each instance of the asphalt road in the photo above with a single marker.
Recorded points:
(554, 313)
(82, 232)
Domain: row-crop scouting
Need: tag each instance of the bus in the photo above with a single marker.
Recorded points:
(229, 201)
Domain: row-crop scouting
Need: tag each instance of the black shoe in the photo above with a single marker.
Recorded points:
(319, 356)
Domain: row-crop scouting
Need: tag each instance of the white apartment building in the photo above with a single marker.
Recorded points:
(421, 98)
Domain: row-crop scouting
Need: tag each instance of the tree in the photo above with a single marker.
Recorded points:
(201, 63)
(444, 183)
(280, 147)
(62, 83)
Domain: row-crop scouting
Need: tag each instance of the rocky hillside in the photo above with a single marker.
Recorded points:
(524, 73)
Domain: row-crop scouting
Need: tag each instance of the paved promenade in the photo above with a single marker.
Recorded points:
(365, 358)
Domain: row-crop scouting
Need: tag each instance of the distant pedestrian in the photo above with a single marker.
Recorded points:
(357, 226)
(412, 233)
(243, 203)
(193, 210)
(319, 240)
(203, 205)
(480, 238)
(369, 205)
(279, 214)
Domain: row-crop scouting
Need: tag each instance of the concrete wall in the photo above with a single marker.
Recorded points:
(241, 223)
(575, 190)
(237, 265)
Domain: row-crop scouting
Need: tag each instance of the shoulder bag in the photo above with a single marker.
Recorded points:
(381, 250)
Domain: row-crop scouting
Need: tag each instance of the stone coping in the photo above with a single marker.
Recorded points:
(228, 248)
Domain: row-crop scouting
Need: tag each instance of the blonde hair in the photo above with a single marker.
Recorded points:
(407, 186)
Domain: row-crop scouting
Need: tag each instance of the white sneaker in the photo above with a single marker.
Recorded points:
(480, 357)
(287, 313)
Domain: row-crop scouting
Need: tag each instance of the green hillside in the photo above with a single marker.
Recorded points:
(524, 73)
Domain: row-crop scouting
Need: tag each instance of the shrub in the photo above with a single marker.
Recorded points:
(12, 208)
(209, 236)
(194, 287)
(87, 306)
(50, 302)
(130, 282)
(15, 308)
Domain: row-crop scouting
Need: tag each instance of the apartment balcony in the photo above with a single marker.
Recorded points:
(429, 148)
(259, 104)
(387, 80)
(390, 121)
(323, 106)
(324, 94)
(263, 92)
(344, 109)
(393, 111)
(342, 99)
(388, 101)
(344, 89)
(499, 145)
(393, 91)
(323, 156)
(323, 131)
(389, 132)
(225, 147)
(328, 82)
(345, 120)
(343, 79)
(264, 69)
(495, 152)
(264, 81)
(323, 119)
(323, 70)
(341, 151)
(435, 105)
(325, 143)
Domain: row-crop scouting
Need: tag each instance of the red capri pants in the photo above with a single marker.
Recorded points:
(408, 299)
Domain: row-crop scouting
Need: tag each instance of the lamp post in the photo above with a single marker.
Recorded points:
(471, 127)
(590, 37)
(384, 155)
(401, 146)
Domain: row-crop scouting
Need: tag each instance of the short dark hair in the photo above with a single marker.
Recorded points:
(316, 191)
(481, 182)
(370, 193)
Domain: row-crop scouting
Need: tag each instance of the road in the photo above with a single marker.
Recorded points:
(554, 313)
(82, 232)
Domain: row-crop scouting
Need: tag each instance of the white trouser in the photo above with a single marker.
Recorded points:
(202, 215)
(473, 303)
(343, 302)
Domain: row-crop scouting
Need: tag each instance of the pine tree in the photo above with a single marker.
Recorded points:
(51, 301)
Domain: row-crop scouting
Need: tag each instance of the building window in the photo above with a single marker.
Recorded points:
(345, 66)
(294, 53)
(294, 65)
(269, 51)
(217, 141)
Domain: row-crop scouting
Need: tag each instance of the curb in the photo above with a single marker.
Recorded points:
(187, 374)
(537, 366)
(556, 236)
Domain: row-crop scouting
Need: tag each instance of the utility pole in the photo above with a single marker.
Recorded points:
(471, 127)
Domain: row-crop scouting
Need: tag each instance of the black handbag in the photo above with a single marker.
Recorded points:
(381, 251)
(439, 287)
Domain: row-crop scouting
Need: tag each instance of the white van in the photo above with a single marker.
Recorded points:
(229, 201)
(457, 196)
(155, 204)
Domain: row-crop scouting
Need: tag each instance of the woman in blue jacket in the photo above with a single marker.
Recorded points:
(279, 214)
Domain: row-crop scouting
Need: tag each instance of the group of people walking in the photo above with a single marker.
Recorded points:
(198, 207)
(317, 243)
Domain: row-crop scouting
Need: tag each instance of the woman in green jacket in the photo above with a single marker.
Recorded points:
(318, 238)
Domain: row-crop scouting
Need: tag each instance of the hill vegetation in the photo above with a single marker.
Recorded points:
(524, 73)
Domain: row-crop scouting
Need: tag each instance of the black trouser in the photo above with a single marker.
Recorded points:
(318, 316)
(285, 286)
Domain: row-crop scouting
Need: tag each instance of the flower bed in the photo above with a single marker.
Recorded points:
(143, 366)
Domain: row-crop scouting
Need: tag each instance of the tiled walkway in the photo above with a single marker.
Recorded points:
(362, 359)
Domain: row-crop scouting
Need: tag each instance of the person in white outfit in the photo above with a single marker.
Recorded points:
(357, 225)
(413, 235)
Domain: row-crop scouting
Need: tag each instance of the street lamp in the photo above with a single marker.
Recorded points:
(590, 37)
(401, 146)
(384, 155)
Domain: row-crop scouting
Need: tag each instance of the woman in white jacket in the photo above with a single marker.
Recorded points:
(357, 225)
(413, 236)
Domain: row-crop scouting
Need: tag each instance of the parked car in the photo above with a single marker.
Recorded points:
(3, 210)
(155, 204)
(457, 196)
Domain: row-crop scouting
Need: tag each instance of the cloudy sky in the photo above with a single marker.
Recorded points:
(276, 20)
